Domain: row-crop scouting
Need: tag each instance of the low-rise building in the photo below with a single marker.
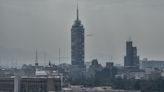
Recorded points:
(145, 63)
(31, 84)
(94, 89)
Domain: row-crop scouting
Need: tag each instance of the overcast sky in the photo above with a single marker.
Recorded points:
(45, 24)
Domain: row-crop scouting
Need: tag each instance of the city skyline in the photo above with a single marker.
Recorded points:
(27, 25)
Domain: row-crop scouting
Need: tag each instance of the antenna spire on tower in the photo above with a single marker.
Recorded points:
(77, 12)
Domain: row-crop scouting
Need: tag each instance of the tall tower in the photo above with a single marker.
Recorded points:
(131, 59)
(77, 42)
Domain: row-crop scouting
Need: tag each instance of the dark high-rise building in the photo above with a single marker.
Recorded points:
(131, 59)
(77, 43)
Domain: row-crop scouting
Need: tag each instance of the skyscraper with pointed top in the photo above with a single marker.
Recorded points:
(77, 42)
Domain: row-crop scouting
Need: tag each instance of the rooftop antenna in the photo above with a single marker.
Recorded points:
(36, 58)
(130, 38)
(49, 63)
(111, 58)
(59, 56)
(45, 58)
(16, 64)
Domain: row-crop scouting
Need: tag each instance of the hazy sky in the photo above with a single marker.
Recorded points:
(45, 24)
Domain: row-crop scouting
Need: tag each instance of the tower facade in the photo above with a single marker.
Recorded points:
(131, 59)
(77, 43)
